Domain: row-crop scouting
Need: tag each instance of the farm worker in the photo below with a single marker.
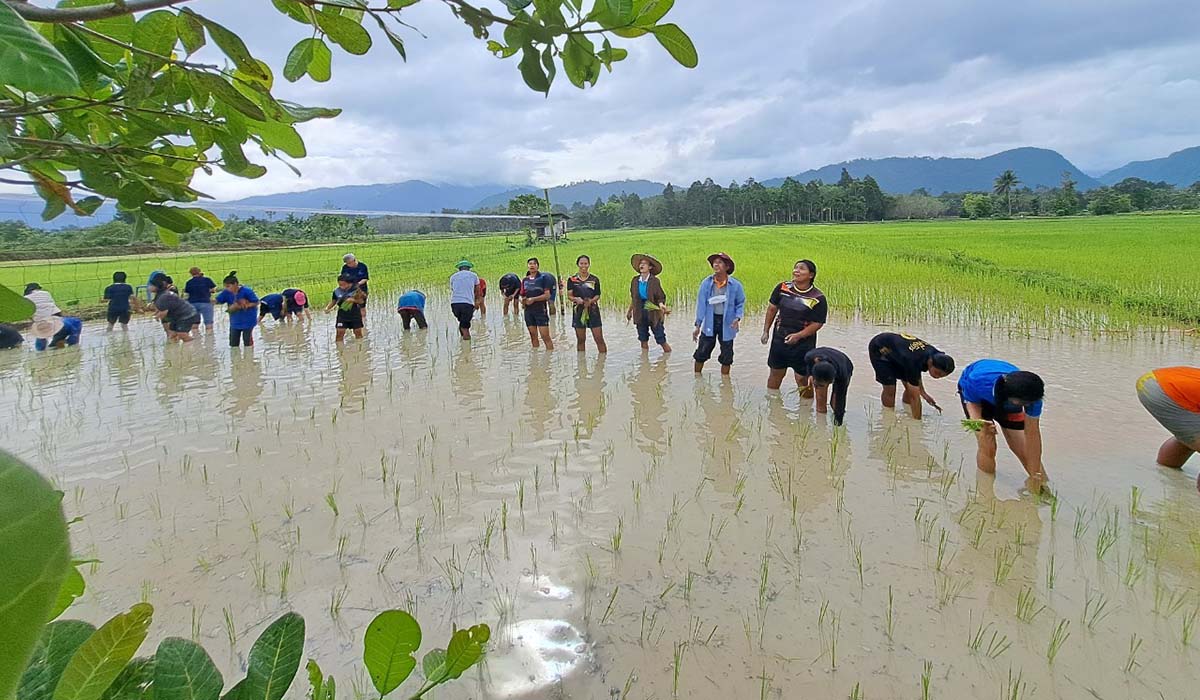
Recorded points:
(271, 304)
(56, 332)
(357, 272)
(899, 356)
(829, 366)
(463, 295)
(177, 316)
(43, 303)
(795, 312)
(510, 289)
(119, 296)
(1172, 396)
(10, 337)
(199, 290)
(242, 307)
(648, 301)
(719, 307)
(537, 294)
(480, 293)
(995, 391)
(583, 291)
(411, 307)
(295, 303)
(349, 300)
(150, 280)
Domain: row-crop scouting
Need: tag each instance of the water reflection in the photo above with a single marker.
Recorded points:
(588, 402)
(538, 400)
(354, 374)
(466, 377)
(245, 382)
(646, 385)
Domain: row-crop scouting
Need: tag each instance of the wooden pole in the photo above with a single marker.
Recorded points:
(554, 244)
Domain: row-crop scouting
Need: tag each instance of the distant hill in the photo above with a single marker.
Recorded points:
(586, 192)
(1036, 167)
(409, 196)
(1181, 169)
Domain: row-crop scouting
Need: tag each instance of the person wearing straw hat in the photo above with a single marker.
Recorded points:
(56, 332)
(719, 308)
(463, 286)
(648, 301)
(537, 296)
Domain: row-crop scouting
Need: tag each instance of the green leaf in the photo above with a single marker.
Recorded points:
(620, 10)
(320, 68)
(231, 44)
(6, 147)
(28, 62)
(321, 687)
(297, 11)
(397, 42)
(400, 4)
(191, 32)
(73, 585)
(531, 70)
(279, 136)
(515, 6)
(465, 650)
(345, 32)
(650, 11)
(133, 683)
(224, 92)
(13, 308)
(388, 647)
(156, 32)
(33, 545)
(677, 44)
(87, 64)
(579, 61)
(300, 113)
(119, 28)
(184, 671)
(168, 237)
(548, 63)
(274, 659)
(58, 644)
(298, 59)
(171, 218)
(433, 662)
(101, 658)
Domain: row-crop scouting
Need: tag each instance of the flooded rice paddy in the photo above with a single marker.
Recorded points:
(628, 529)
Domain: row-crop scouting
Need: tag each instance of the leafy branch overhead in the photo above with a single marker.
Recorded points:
(104, 100)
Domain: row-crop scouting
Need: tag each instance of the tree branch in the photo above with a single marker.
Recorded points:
(55, 15)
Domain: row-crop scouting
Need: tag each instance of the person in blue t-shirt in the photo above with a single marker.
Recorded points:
(357, 272)
(537, 296)
(411, 307)
(271, 304)
(198, 291)
(242, 309)
(994, 391)
(119, 296)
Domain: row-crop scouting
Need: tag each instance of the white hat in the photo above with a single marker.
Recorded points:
(45, 328)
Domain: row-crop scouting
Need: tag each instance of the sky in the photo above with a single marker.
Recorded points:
(782, 86)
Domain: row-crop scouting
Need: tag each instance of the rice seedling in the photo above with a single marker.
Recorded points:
(949, 588)
(337, 598)
(764, 572)
(977, 533)
(331, 501)
(996, 643)
(629, 681)
(835, 627)
(646, 629)
(1083, 520)
(230, 628)
(1135, 500)
(1189, 626)
(1133, 572)
(1050, 573)
(1107, 537)
(856, 692)
(889, 618)
(941, 551)
(677, 666)
(386, 560)
(687, 585)
(1135, 645)
(1027, 606)
(1059, 637)
(1015, 688)
(1095, 609)
(608, 610)
(1005, 559)
(616, 536)
(285, 574)
(197, 622)
(856, 548)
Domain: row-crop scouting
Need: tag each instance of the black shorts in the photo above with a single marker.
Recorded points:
(510, 293)
(885, 372)
(537, 315)
(244, 336)
(464, 313)
(183, 325)
(276, 314)
(1006, 417)
(785, 357)
(350, 320)
(121, 317)
(593, 319)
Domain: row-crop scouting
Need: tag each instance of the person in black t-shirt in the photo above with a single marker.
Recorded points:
(119, 296)
(198, 290)
(583, 291)
(829, 366)
(903, 357)
(359, 277)
(349, 300)
(796, 312)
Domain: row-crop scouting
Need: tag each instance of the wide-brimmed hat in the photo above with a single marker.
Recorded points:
(655, 266)
(722, 256)
(464, 263)
(45, 328)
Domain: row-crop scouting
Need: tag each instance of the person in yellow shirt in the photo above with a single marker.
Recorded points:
(1172, 396)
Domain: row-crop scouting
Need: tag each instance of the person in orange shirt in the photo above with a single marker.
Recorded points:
(1172, 396)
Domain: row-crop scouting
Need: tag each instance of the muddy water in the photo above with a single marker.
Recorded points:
(624, 526)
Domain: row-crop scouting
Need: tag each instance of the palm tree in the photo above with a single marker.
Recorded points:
(1004, 186)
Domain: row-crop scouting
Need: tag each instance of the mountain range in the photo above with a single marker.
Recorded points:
(1036, 167)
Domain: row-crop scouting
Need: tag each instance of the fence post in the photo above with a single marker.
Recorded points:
(562, 307)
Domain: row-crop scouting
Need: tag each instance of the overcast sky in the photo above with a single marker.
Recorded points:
(782, 86)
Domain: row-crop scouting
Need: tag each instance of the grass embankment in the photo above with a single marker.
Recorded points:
(1114, 272)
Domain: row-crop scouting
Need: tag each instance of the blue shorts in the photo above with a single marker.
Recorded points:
(205, 309)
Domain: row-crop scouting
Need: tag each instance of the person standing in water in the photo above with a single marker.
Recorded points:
(480, 297)
(464, 286)
(648, 302)
(719, 308)
(796, 311)
(994, 391)
(242, 306)
(119, 296)
(1172, 396)
(828, 366)
(411, 307)
(510, 289)
(349, 300)
(537, 291)
(357, 272)
(199, 290)
(177, 315)
(583, 291)
(903, 357)
(295, 303)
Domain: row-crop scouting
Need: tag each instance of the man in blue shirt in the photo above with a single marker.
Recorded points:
(118, 295)
(198, 291)
(357, 272)
(719, 308)
(411, 307)
(995, 391)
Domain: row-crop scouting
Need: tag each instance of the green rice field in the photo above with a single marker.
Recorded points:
(1082, 273)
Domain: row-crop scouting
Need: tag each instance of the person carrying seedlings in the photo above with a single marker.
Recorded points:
(796, 311)
(463, 294)
(177, 316)
(242, 306)
(349, 300)
(995, 391)
(270, 304)
(411, 307)
(583, 291)
(648, 302)
(719, 308)
(295, 304)
(510, 289)
(199, 290)
(119, 296)
(357, 272)
(903, 357)
(1172, 396)
(537, 294)
(830, 366)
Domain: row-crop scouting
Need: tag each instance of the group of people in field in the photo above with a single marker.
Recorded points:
(997, 397)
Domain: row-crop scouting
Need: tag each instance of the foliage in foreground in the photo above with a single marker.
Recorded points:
(46, 659)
